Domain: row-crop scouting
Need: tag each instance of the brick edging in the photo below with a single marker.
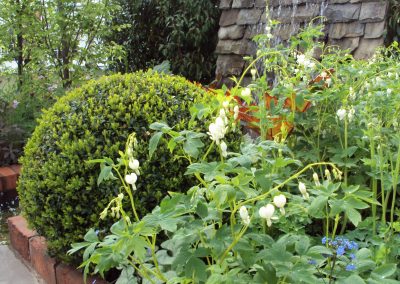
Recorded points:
(33, 249)
(8, 177)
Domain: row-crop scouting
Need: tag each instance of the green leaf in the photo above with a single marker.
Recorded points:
(138, 245)
(171, 145)
(317, 206)
(127, 276)
(192, 145)
(353, 279)
(159, 126)
(91, 236)
(196, 268)
(302, 245)
(319, 251)
(384, 271)
(202, 210)
(105, 173)
(77, 246)
(164, 257)
(354, 215)
(118, 228)
(89, 250)
(154, 142)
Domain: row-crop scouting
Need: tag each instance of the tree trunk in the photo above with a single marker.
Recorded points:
(20, 43)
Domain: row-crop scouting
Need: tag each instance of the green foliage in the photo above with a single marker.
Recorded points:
(60, 41)
(393, 22)
(259, 215)
(58, 189)
(17, 118)
(183, 32)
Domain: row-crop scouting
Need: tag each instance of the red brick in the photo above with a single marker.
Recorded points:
(16, 169)
(43, 264)
(20, 235)
(66, 274)
(8, 178)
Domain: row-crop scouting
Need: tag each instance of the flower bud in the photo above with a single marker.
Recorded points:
(244, 215)
(303, 190)
(253, 73)
(316, 179)
(328, 175)
(223, 147)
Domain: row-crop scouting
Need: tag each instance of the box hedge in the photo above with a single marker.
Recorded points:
(57, 188)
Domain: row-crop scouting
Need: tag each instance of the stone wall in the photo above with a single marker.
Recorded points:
(358, 25)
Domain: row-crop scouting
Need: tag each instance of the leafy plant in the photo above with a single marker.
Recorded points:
(258, 215)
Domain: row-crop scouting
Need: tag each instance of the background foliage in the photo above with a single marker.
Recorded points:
(393, 21)
(182, 32)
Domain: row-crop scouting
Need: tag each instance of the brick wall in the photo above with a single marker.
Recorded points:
(358, 25)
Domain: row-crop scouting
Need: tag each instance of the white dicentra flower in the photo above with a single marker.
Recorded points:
(217, 130)
(341, 114)
(303, 190)
(316, 179)
(301, 58)
(223, 147)
(280, 201)
(131, 179)
(244, 215)
(267, 213)
(246, 92)
(134, 164)
(304, 61)
(253, 73)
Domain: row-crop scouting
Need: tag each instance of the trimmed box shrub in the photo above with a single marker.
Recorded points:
(58, 189)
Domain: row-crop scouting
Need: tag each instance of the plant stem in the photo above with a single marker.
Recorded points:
(395, 178)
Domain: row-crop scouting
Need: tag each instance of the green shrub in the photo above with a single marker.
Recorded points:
(58, 189)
